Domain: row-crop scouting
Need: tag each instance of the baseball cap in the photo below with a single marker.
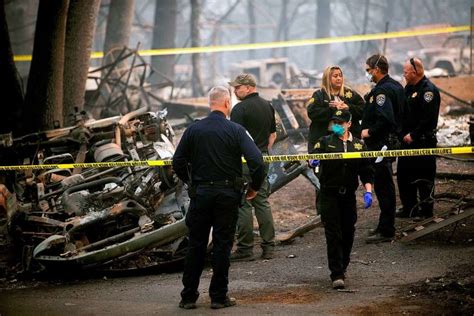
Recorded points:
(342, 115)
(244, 79)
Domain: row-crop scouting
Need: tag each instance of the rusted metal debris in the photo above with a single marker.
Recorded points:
(124, 84)
(117, 218)
(93, 217)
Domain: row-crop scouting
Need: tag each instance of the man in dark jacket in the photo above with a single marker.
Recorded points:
(381, 128)
(417, 174)
(209, 159)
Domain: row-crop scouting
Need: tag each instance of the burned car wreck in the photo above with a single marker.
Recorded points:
(114, 218)
(86, 217)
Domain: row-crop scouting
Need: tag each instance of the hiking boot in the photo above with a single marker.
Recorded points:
(242, 256)
(377, 238)
(338, 284)
(228, 302)
(187, 305)
(268, 254)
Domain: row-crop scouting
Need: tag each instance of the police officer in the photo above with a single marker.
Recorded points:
(381, 129)
(332, 96)
(208, 158)
(417, 174)
(258, 117)
(337, 200)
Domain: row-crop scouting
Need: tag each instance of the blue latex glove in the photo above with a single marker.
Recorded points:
(367, 199)
(313, 163)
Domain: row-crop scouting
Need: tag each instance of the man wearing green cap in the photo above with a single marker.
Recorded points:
(258, 117)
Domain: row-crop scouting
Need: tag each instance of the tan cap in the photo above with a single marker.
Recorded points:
(244, 79)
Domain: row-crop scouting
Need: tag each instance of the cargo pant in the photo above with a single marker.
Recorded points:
(263, 213)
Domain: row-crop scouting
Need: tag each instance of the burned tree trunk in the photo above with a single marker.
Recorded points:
(322, 53)
(44, 95)
(119, 25)
(164, 34)
(252, 27)
(195, 42)
(80, 28)
(20, 19)
(10, 88)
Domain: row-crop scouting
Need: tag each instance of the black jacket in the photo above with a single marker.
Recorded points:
(211, 150)
(343, 173)
(421, 116)
(320, 113)
(383, 112)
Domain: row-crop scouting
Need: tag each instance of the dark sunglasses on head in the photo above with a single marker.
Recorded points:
(412, 62)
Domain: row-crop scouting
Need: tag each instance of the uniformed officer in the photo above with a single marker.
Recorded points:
(381, 129)
(258, 117)
(417, 174)
(208, 158)
(337, 200)
(332, 96)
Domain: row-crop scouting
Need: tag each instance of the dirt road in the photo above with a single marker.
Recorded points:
(433, 275)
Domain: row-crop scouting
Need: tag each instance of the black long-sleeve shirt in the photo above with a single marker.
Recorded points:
(320, 113)
(421, 116)
(211, 150)
(383, 112)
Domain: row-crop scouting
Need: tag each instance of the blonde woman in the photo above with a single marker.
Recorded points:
(332, 96)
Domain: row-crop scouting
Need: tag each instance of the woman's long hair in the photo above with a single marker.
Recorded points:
(326, 82)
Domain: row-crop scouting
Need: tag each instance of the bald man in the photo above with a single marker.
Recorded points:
(209, 159)
(416, 175)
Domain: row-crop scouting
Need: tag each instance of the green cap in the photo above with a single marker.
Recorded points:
(244, 80)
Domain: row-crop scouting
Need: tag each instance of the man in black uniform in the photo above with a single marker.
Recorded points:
(208, 158)
(381, 128)
(337, 200)
(417, 174)
(258, 117)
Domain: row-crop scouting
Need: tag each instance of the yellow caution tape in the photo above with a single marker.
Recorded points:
(275, 158)
(293, 43)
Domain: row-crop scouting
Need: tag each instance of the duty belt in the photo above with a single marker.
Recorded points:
(216, 183)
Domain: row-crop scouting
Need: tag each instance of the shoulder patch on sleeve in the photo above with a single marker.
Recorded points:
(380, 99)
(428, 96)
(317, 145)
(371, 100)
(309, 102)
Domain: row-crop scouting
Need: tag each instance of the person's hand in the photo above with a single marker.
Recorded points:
(367, 199)
(313, 163)
(365, 133)
(342, 106)
(408, 139)
(251, 194)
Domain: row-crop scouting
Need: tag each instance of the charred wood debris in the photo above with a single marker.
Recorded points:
(119, 219)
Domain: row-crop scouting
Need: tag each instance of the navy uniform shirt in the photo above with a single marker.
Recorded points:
(382, 115)
(257, 115)
(343, 173)
(421, 117)
(320, 113)
(211, 150)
